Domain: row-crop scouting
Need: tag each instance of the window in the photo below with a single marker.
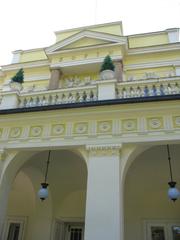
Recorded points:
(68, 230)
(14, 228)
(161, 230)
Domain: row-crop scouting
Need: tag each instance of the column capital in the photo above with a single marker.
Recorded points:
(103, 149)
(3, 154)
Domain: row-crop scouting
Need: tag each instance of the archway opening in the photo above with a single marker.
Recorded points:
(149, 214)
(64, 210)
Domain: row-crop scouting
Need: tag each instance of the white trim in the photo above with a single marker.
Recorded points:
(86, 33)
(33, 64)
(15, 219)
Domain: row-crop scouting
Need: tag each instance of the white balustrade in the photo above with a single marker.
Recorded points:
(61, 96)
(147, 89)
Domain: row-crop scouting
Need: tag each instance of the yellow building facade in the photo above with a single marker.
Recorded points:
(112, 143)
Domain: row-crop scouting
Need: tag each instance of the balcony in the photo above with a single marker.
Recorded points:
(94, 91)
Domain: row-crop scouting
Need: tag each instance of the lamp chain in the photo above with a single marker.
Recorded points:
(169, 159)
(47, 166)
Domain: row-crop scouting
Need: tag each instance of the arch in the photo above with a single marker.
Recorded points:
(18, 160)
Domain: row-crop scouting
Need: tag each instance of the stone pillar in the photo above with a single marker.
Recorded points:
(55, 82)
(106, 89)
(104, 215)
(9, 100)
(118, 70)
(4, 191)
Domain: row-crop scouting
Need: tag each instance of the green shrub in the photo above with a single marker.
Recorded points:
(19, 77)
(107, 64)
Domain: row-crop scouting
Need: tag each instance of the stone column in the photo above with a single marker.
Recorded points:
(118, 70)
(55, 82)
(4, 191)
(104, 215)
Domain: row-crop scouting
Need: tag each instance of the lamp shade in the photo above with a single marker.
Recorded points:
(43, 192)
(173, 192)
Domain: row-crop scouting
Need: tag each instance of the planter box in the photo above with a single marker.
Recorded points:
(15, 86)
(107, 74)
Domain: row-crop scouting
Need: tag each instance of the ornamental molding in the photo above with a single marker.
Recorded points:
(104, 149)
(82, 62)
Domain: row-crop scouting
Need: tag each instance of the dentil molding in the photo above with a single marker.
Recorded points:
(104, 149)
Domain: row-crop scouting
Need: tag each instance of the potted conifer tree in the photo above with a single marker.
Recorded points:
(17, 80)
(107, 69)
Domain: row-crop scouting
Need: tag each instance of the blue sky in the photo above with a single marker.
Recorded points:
(27, 24)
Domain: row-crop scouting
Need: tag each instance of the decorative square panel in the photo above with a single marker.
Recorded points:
(176, 122)
(80, 128)
(155, 123)
(35, 131)
(104, 127)
(15, 132)
(58, 129)
(129, 125)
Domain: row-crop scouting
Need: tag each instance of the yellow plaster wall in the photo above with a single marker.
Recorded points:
(158, 71)
(33, 56)
(151, 57)
(147, 40)
(111, 29)
(115, 29)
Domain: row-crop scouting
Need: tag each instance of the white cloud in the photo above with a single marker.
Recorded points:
(29, 24)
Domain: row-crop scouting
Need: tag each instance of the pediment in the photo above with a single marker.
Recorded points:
(85, 39)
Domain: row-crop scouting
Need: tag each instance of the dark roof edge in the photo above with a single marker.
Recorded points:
(92, 104)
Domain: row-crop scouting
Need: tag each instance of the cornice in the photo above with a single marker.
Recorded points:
(154, 49)
(152, 64)
(33, 64)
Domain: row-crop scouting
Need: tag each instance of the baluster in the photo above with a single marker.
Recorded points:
(92, 96)
(146, 91)
(169, 89)
(132, 92)
(22, 103)
(63, 98)
(153, 91)
(84, 96)
(28, 104)
(70, 97)
(175, 88)
(162, 90)
(77, 97)
(49, 100)
(124, 93)
(139, 92)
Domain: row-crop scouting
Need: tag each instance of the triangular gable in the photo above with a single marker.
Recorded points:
(85, 37)
(85, 42)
